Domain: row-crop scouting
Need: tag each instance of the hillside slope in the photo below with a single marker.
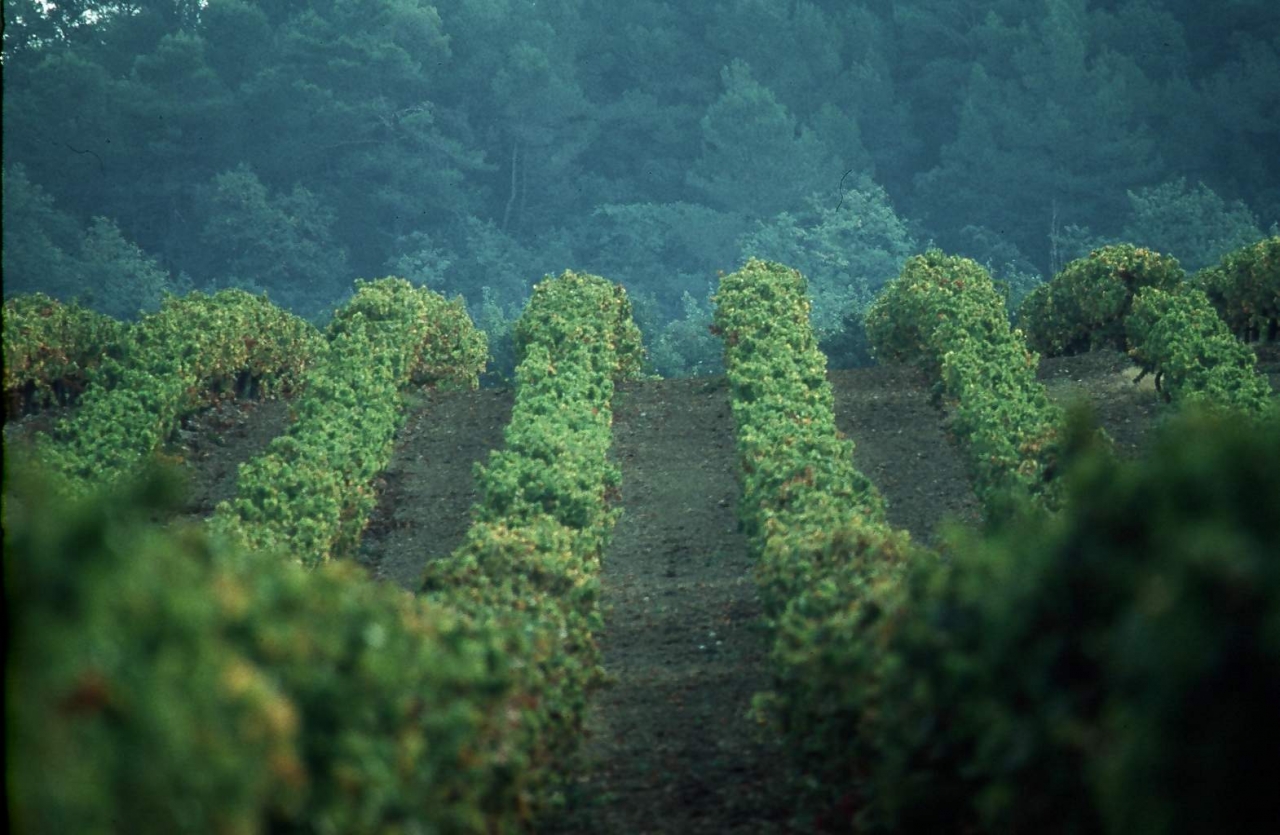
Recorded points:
(671, 746)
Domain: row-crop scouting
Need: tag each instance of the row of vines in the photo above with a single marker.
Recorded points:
(1102, 659)
(529, 565)
(194, 350)
(311, 493)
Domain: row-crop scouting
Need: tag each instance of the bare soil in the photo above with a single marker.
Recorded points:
(212, 444)
(671, 748)
(900, 443)
(426, 492)
(1125, 404)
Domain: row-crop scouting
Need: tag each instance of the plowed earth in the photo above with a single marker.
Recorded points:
(671, 748)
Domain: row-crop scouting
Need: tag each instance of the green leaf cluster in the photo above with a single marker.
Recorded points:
(827, 562)
(1179, 336)
(1084, 306)
(1245, 289)
(1110, 669)
(195, 349)
(944, 314)
(165, 679)
(1139, 301)
(310, 494)
(568, 308)
(530, 562)
(436, 341)
(51, 350)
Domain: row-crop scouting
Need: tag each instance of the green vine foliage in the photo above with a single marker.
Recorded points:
(310, 494)
(164, 678)
(530, 562)
(433, 339)
(944, 314)
(1084, 306)
(1138, 301)
(194, 350)
(51, 350)
(827, 563)
(1180, 337)
(1245, 290)
(1107, 670)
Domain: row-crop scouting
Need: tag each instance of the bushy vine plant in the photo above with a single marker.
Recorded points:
(1084, 306)
(944, 314)
(167, 679)
(51, 350)
(1138, 301)
(1108, 670)
(827, 562)
(1180, 338)
(1245, 290)
(310, 494)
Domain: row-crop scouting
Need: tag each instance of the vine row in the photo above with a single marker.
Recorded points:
(529, 564)
(51, 350)
(827, 563)
(195, 349)
(943, 314)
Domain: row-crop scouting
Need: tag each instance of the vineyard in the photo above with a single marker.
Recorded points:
(265, 577)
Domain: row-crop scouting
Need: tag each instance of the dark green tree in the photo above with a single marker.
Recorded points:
(40, 241)
(1193, 224)
(282, 243)
(756, 159)
(1051, 142)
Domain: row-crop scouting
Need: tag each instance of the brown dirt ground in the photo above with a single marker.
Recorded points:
(900, 443)
(1125, 407)
(426, 492)
(670, 746)
(215, 442)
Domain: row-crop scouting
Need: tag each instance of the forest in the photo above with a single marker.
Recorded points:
(473, 146)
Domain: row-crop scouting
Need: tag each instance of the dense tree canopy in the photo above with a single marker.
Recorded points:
(480, 143)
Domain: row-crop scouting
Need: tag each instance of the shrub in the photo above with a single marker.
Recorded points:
(1111, 670)
(1245, 289)
(310, 494)
(1084, 306)
(530, 561)
(816, 526)
(51, 350)
(1180, 338)
(194, 350)
(163, 678)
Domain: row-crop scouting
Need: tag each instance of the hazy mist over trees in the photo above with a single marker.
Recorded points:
(475, 145)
